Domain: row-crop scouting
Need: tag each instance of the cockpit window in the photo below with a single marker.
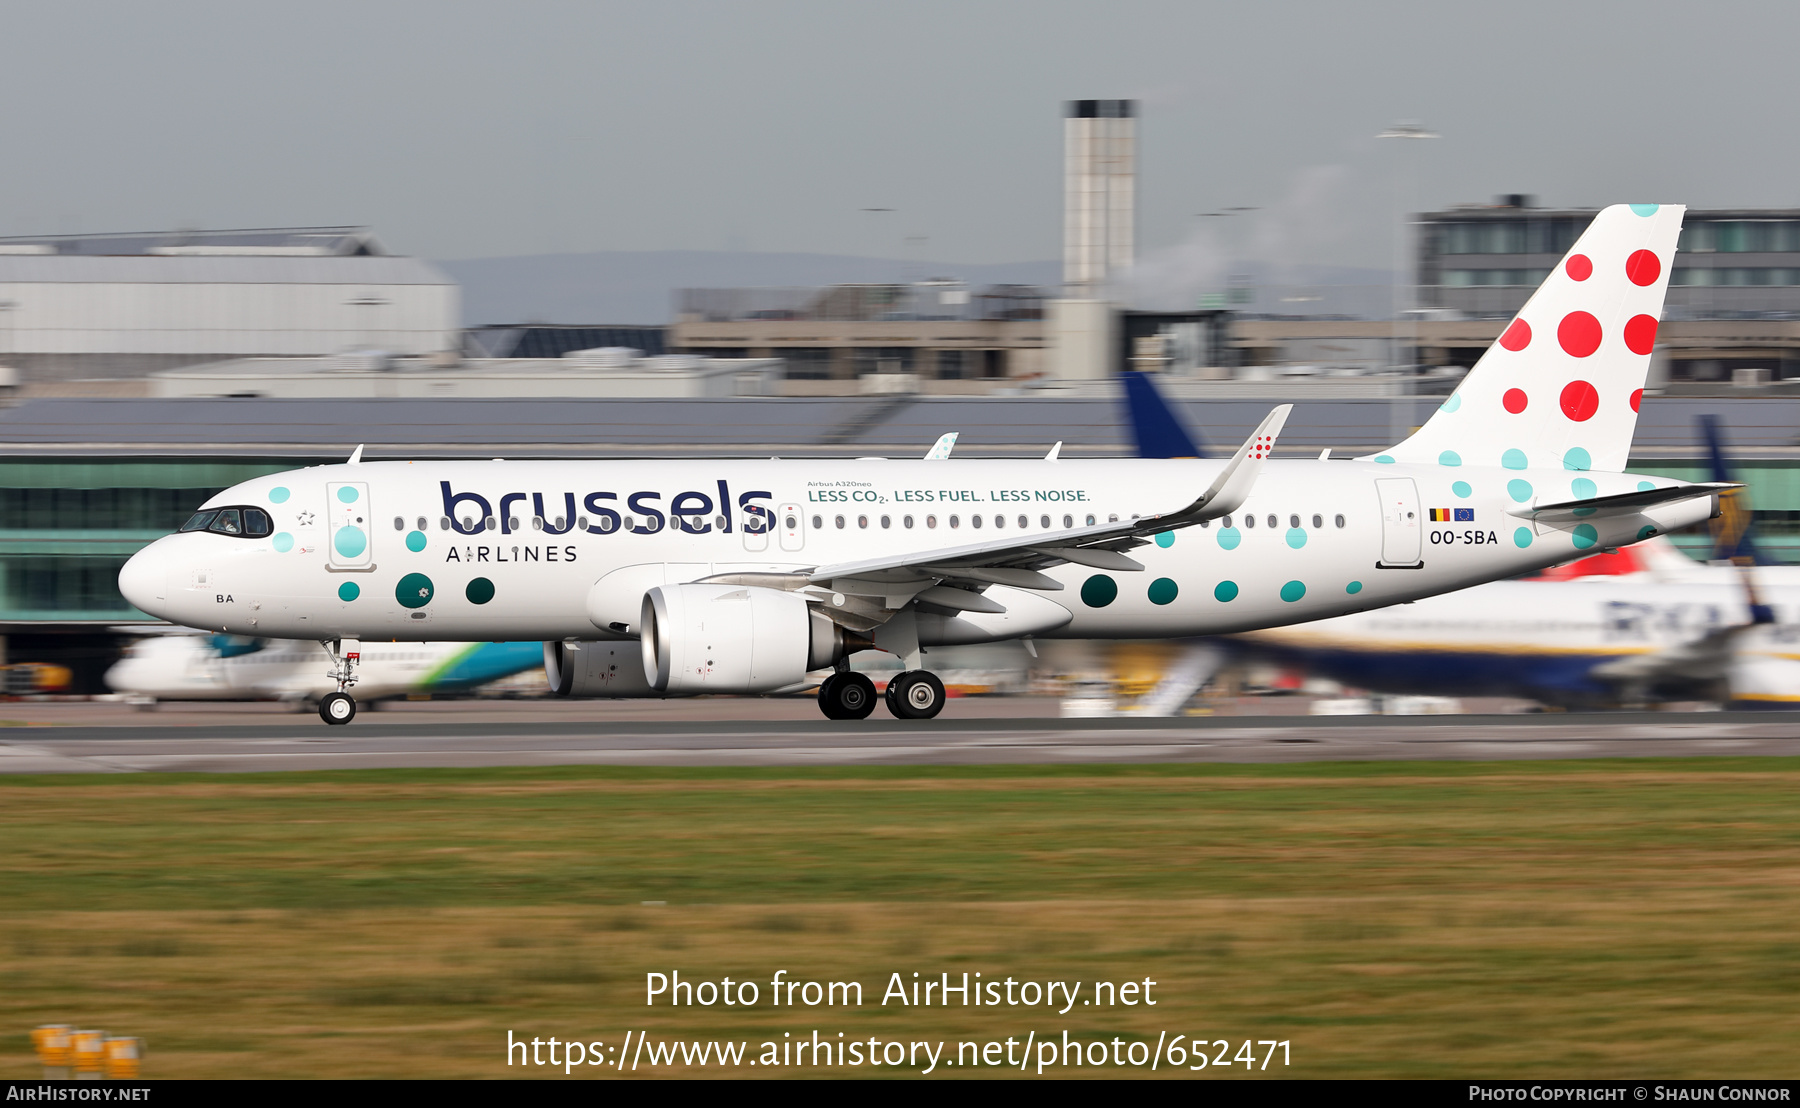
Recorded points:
(240, 522)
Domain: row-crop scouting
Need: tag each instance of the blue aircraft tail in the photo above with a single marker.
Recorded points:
(1734, 532)
(1154, 425)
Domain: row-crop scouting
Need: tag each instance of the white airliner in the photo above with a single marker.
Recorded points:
(1651, 625)
(658, 578)
(227, 667)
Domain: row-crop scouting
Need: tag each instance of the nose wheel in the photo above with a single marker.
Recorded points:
(337, 708)
(915, 694)
(847, 695)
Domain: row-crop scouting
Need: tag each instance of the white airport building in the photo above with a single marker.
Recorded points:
(125, 305)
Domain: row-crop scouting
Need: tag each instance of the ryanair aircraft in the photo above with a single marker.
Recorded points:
(655, 578)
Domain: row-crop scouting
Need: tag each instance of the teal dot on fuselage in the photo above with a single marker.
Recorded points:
(1229, 537)
(283, 542)
(1353, 587)
(1577, 458)
(1645, 209)
(1514, 459)
(278, 495)
(415, 541)
(1293, 591)
(1166, 539)
(1646, 486)
(1163, 591)
(349, 591)
(414, 591)
(479, 591)
(1519, 490)
(350, 541)
(1462, 489)
(1583, 488)
(1449, 458)
(1225, 591)
(1384, 459)
(1296, 537)
(1522, 537)
(347, 494)
(1099, 590)
(1451, 404)
(1585, 536)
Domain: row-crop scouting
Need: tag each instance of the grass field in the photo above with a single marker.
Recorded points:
(1415, 919)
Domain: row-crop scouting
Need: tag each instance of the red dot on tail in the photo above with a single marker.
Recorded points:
(1579, 267)
(1514, 400)
(1518, 336)
(1637, 398)
(1580, 401)
(1643, 268)
(1579, 334)
(1640, 333)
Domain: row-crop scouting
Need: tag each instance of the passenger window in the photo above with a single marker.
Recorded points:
(1090, 521)
(1043, 521)
(227, 523)
(199, 521)
(974, 521)
(1025, 521)
(422, 523)
(1069, 521)
(956, 521)
(931, 522)
(399, 523)
(863, 522)
(818, 523)
(1294, 521)
(840, 523)
(1226, 522)
(887, 522)
(906, 522)
(1340, 521)
(256, 522)
(1271, 519)
(1318, 521)
(1249, 520)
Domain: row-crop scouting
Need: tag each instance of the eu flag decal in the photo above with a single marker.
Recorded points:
(1465, 515)
(1439, 515)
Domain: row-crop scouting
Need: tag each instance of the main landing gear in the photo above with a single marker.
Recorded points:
(339, 708)
(912, 694)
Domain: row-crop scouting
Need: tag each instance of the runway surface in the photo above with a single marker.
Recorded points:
(714, 733)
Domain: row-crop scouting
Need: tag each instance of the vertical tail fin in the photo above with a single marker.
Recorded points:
(1734, 532)
(1561, 386)
(1155, 427)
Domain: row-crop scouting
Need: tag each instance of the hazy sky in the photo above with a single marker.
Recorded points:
(466, 130)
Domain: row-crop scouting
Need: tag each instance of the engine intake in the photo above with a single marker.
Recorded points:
(724, 638)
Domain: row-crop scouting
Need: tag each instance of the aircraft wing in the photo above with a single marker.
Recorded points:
(1625, 503)
(1100, 546)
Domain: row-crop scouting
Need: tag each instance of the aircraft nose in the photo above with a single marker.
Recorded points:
(143, 579)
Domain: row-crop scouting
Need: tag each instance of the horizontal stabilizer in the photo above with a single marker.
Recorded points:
(1625, 503)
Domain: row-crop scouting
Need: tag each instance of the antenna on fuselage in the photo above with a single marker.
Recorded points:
(355, 456)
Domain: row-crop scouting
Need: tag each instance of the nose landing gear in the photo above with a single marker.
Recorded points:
(339, 708)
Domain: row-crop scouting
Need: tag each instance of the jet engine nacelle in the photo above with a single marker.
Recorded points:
(596, 669)
(701, 638)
